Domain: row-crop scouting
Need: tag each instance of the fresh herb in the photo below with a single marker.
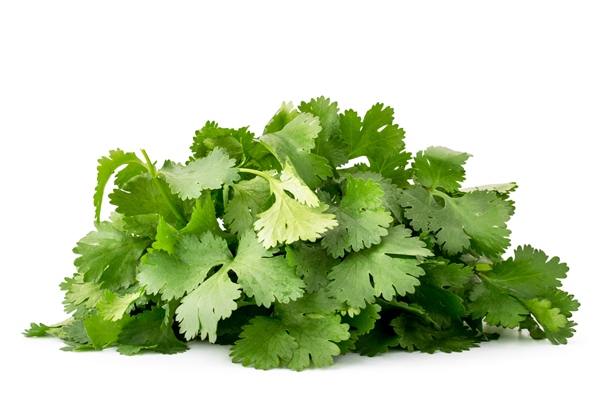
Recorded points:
(321, 236)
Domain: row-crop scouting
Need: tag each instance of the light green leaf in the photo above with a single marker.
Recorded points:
(201, 310)
(114, 307)
(210, 172)
(289, 219)
(293, 144)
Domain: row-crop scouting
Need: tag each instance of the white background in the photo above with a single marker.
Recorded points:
(514, 83)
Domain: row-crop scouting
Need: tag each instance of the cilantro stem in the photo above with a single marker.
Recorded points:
(255, 172)
(174, 209)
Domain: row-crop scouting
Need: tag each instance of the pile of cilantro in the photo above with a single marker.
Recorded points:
(320, 237)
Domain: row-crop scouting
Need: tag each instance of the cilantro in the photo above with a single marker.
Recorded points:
(274, 245)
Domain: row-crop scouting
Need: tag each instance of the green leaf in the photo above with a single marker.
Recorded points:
(295, 336)
(259, 273)
(477, 219)
(365, 320)
(414, 335)
(328, 143)
(263, 276)
(293, 145)
(237, 142)
(291, 219)
(377, 340)
(374, 272)
(174, 275)
(107, 166)
(264, 343)
(103, 332)
(419, 205)
(114, 307)
(151, 329)
(204, 217)
(440, 167)
(375, 137)
(391, 193)
(249, 196)
(210, 172)
(529, 272)
(506, 294)
(446, 274)
(436, 300)
(109, 256)
(312, 263)
(37, 330)
(362, 220)
(286, 114)
(203, 307)
(550, 318)
(140, 196)
(79, 292)
(393, 167)
(166, 236)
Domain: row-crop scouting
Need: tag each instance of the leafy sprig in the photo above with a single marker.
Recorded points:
(317, 238)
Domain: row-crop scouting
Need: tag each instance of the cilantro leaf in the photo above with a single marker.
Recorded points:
(207, 299)
(518, 286)
(476, 219)
(114, 307)
(307, 338)
(291, 219)
(174, 275)
(140, 196)
(328, 143)
(249, 196)
(237, 142)
(391, 193)
(362, 220)
(318, 238)
(81, 293)
(203, 307)
(293, 145)
(374, 272)
(312, 263)
(109, 256)
(414, 335)
(264, 343)
(106, 168)
(203, 218)
(151, 329)
(440, 167)
(375, 136)
(210, 172)
(263, 275)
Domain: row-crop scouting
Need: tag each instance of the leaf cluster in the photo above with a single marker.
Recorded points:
(319, 237)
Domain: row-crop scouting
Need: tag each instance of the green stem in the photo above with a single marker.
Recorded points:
(256, 172)
(225, 196)
(174, 209)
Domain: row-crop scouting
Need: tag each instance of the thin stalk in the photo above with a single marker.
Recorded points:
(174, 209)
(256, 172)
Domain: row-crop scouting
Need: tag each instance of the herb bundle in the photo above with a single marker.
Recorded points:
(321, 236)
